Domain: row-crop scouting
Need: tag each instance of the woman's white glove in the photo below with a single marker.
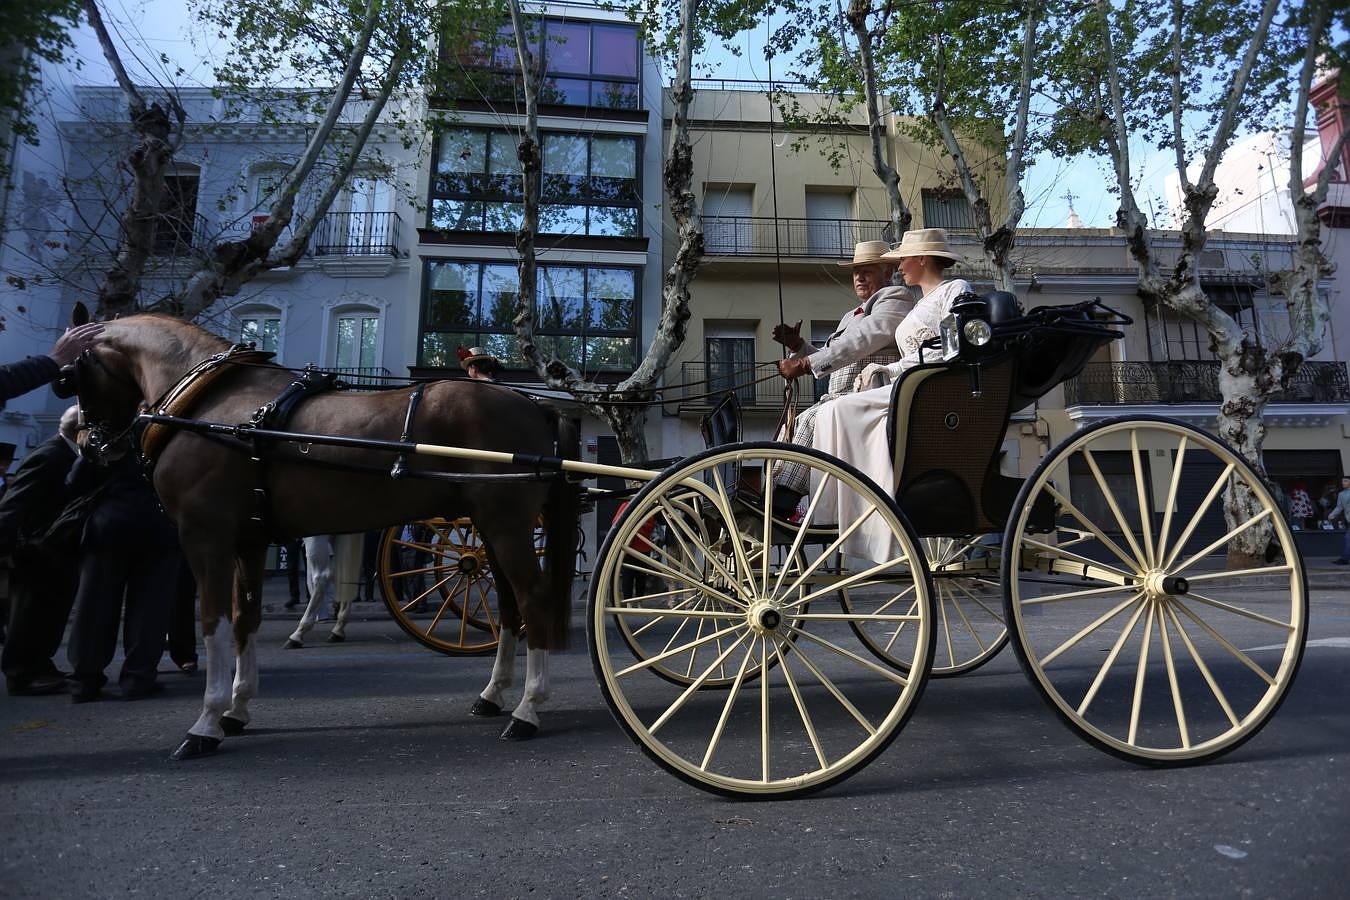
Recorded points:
(873, 375)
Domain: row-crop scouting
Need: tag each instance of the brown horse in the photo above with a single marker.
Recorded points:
(229, 506)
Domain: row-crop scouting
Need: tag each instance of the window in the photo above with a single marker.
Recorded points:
(262, 329)
(729, 348)
(830, 229)
(590, 183)
(591, 64)
(585, 315)
(176, 226)
(946, 209)
(356, 342)
(1306, 484)
(727, 226)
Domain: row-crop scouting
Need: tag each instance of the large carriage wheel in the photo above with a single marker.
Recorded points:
(970, 626)
(438, 586)
(736, 585)
(1131, 626)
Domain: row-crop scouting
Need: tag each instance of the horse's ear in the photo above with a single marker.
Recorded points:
(80, 314)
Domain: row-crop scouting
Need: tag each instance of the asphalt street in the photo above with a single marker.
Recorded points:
(363, 776)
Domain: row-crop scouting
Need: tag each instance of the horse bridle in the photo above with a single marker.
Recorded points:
(100, 437)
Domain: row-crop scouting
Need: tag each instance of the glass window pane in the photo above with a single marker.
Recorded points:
(505, 347)
(564, 91)
(504, 54)
(346, 342)
(562, 220)
(569, 47)
(561, 297)
(452, 296)
(609, 353)
(370, 332)
(436, 349)
(457, 215)
(502, 216)
(610, 300)
(502, 158)
(614, 221)
(614, 157)
(461, 159)
(616, 50)
(614, 94)
(271, 335)
(501, 285)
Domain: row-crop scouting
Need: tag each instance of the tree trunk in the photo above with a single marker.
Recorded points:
(901, 218)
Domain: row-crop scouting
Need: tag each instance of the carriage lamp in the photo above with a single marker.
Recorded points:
(978, 332)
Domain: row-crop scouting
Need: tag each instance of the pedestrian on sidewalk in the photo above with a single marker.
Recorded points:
(1342, 511)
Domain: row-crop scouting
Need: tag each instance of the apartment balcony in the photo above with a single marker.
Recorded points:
(1319, 392)
(766, 236)
(176, 235)
(358, 234)
(702, 385)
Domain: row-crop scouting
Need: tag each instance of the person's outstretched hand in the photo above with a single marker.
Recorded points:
(794, 366)
(790, 336)
(74, 342)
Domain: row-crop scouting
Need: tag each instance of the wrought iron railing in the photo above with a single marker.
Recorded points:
(1113, 384)
(760, 236)
(702, 385)
(358, 234)
(367, 377)
(177, 234)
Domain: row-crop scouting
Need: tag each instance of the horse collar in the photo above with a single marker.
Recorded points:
(179, 399)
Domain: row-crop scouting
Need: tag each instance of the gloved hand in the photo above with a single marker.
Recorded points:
(794, 366)
(873, 375)
(790, 336)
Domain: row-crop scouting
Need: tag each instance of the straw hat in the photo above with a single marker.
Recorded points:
(923, 242)
(474, 355)
(867, 253)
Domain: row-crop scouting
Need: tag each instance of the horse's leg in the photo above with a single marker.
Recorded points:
(214, 570)
(346, 581)
(516, 566)
(489, 702)
(247, 618)
(319, 572)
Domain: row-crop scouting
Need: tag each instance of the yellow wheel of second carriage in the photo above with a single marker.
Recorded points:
(438, 586)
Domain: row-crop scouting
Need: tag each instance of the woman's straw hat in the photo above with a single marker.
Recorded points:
(474, 355)
(923, 242)
(867, 253)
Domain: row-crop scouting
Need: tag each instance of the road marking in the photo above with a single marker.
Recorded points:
(1340, 642)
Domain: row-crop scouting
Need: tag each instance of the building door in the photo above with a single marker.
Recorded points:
(727, 228)
(829, 231)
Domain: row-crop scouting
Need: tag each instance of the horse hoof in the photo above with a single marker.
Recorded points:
(231, 726)
(484, 709)
(195, 746)
(519, 730)
(292, 644)
(336, 638)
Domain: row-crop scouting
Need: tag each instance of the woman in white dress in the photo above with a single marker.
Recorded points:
(854, 427)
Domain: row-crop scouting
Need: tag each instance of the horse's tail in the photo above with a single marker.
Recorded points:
(562, 510)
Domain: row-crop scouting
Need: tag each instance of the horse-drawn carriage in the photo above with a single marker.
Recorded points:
(755, 653)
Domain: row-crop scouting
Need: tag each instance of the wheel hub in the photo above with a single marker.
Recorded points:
(471, 563)
(764, 617)
(1157, 583)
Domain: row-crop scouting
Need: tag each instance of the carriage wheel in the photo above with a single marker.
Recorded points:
(736, 585)
(438, 586)
(971, 629)
(1139, 637)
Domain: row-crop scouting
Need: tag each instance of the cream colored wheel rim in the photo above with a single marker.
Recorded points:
(820, 707)
(1139, 638)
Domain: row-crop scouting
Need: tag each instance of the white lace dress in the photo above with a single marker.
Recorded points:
(854, 427)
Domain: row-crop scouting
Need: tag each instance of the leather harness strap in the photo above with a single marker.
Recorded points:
(179, 399)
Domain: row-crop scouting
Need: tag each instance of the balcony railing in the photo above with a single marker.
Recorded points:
(760, 236)
(1117, 383)
(358, 234)
(367, 377)
(176, 234)
(701, 386)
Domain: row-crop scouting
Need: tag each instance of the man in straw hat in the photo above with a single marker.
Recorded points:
(479, 364)
(866, 334)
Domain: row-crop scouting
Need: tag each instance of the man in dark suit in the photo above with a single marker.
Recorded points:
(44, 577)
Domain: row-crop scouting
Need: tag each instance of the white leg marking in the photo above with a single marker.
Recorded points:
(318, 575)
(217, 694)
(536, 686)
(503, 669)
(245, 680)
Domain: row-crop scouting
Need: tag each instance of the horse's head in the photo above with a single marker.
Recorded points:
(108, 394)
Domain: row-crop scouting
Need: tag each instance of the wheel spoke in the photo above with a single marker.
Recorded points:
(1144, 506)
(712, 559)
(1177, 706)
(848, 581)
(799, 538)
(836, 693)
(996, 615)
(1139, 558)
(966, 621)
(1090, 628)
(946, 627)
(1139, 671)
(693, 688)
(1227, 645)
(1239, 611)
(723, 501)
(1254, 520)
(1097, 532)
(1076, 557)
(848, 654)
(726, 708)
(1198, 516)
(1200, 664)
(1110, 660)
(807, 722)
(1171, 498)
(1075, 595)
(674, 651)
(764, 710)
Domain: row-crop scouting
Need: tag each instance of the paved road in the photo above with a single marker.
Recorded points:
(365, 778)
